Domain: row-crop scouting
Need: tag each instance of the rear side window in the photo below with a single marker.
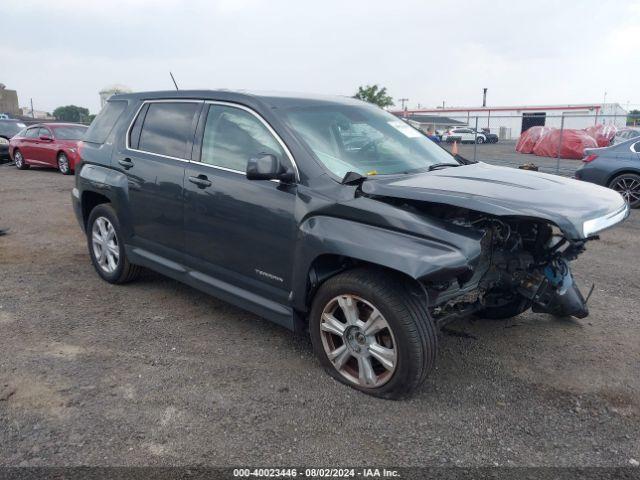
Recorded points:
(168, 128)
(105, 121)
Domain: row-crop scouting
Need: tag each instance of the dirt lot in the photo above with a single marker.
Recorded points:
(156, 373)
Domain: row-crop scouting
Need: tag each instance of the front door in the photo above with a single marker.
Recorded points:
(44, 151)
(158, 149)
(237, 230)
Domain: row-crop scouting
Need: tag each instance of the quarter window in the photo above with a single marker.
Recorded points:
(168, 129)
(232, 136)
(102, 125)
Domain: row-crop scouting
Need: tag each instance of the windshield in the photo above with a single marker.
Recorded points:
(69, 133)
(364, 139)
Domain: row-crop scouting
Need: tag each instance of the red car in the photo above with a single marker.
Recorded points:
(47, 145)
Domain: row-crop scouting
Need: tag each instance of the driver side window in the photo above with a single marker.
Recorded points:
(232, 136)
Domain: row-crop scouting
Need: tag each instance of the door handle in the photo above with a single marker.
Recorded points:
(201, 181)
(126, 163)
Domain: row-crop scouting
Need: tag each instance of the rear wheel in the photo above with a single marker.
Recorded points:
(19, 160)
(371, 332)
(628, 185)
(480, 140)
(63, 164)
(106, 246)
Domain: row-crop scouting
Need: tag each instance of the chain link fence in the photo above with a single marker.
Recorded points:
(549, 143)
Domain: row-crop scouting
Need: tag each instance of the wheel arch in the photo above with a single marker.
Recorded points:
(327, 265)
(89, 201)
(623, 171)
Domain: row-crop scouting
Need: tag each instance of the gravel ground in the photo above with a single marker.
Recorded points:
(156, 373)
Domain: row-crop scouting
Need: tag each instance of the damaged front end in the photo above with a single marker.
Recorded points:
(523, 263)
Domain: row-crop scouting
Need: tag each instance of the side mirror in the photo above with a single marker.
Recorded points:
(268, 167)
(46, 138)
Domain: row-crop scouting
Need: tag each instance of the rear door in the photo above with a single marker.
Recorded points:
(28, 144)
(158, 147)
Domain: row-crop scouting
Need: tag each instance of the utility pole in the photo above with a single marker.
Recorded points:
(33, 114)
(403, 101)
(484, 97)
(443, 104)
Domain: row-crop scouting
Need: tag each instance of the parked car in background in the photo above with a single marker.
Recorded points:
(8, 128)
(491, 137)
(616, 167)
(625, 134)
(332, 216)
(47, 145)
(463, 135)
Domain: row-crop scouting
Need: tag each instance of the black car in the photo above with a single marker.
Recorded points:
(8, 128)
(333, 216)
(491, 137)
(616, 167)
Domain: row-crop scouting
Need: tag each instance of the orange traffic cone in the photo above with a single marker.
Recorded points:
(454, 149)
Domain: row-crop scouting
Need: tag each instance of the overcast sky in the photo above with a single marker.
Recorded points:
(526, 52)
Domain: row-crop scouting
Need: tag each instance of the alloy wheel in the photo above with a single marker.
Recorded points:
(629, 188)
(358, 341)
(17, 157)
(63, 163)
(105, 245)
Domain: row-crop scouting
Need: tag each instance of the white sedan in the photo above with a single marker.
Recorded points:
(463, 134)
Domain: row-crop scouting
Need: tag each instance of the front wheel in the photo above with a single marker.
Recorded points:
(373, 333)
(480, 140)
(63, 164)
(106, 246)
(19, 160)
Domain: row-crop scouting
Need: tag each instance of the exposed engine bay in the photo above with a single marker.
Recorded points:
(523, 263)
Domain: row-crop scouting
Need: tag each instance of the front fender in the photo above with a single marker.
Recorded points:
(418, 257)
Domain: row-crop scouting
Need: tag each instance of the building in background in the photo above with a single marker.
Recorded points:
(510, 121)
(8, 101)
(106, 92)
(37, 114)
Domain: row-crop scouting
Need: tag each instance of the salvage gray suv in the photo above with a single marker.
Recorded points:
(331, 215)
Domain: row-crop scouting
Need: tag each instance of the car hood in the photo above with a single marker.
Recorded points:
(503, 191)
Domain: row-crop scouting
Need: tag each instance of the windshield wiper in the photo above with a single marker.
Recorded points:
(436, 166)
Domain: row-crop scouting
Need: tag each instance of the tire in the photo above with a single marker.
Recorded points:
(479, 140)
(403, 335)
(510, 309)
(104, 221)
(627, 185)
(19, 160)
(63, 164)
